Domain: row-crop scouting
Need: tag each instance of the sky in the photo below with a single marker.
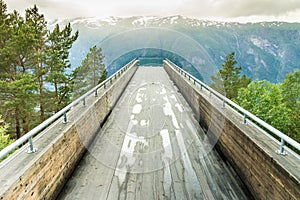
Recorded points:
(221, 10)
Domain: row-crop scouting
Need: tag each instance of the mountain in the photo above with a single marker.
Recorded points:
(266, 50)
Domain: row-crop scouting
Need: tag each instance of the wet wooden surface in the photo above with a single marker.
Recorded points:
(151, 147)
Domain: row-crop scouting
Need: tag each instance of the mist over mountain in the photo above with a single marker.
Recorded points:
(266, 50)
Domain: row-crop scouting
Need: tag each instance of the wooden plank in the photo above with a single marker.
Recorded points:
(161, 160)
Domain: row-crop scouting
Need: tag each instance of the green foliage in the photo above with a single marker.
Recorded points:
(266, 101)
(228, 80)
(19, 101)
(91, 72)
(291, 96)
(4, 137)
(32, 59)
(21, 57)
(57, 53)
(291, 89)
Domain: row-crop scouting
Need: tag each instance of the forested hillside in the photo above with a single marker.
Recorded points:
(266, 50)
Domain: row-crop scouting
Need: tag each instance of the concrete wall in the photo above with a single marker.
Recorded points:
(48, 169)
(247, 148)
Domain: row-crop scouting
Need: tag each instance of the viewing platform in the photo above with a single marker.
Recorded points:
(151, 132)
(151, 147)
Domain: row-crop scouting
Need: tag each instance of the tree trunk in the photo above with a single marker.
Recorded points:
(94, 64)
(18, 126)
(56, 97)
(25, 126)
(56, 91)
(42, 109)
(41, 85)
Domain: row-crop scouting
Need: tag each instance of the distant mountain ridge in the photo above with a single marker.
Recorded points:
(266, 50)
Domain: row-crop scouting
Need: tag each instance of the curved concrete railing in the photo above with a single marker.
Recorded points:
(284, 138)
(28, 136)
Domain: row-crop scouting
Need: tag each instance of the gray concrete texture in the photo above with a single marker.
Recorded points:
(152, 147)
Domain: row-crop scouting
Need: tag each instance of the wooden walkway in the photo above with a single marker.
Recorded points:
(151, 147)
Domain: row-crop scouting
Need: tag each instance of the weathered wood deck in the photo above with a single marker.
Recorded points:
(151, 147)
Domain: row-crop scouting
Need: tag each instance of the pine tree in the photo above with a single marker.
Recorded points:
(24, 68)
(228, 80)
(91, 72)
(19, 101)
(59, 44)
(5, 33)
(17, 52)
(37, 26)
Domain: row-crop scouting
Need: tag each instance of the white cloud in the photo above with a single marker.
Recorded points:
(287, 10)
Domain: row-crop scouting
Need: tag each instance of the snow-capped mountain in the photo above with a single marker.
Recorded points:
(266, 50)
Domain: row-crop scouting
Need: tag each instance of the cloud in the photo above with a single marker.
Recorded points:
(194, 8)
(238, 8)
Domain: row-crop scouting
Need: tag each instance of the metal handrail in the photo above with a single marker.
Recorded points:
(284, 138)
(63, 112)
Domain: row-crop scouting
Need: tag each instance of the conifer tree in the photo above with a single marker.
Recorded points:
(59, 43)
(37, 26)
(17, 84)
(25, 67)
(228, 80)
(5, 32)
(91, 72)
